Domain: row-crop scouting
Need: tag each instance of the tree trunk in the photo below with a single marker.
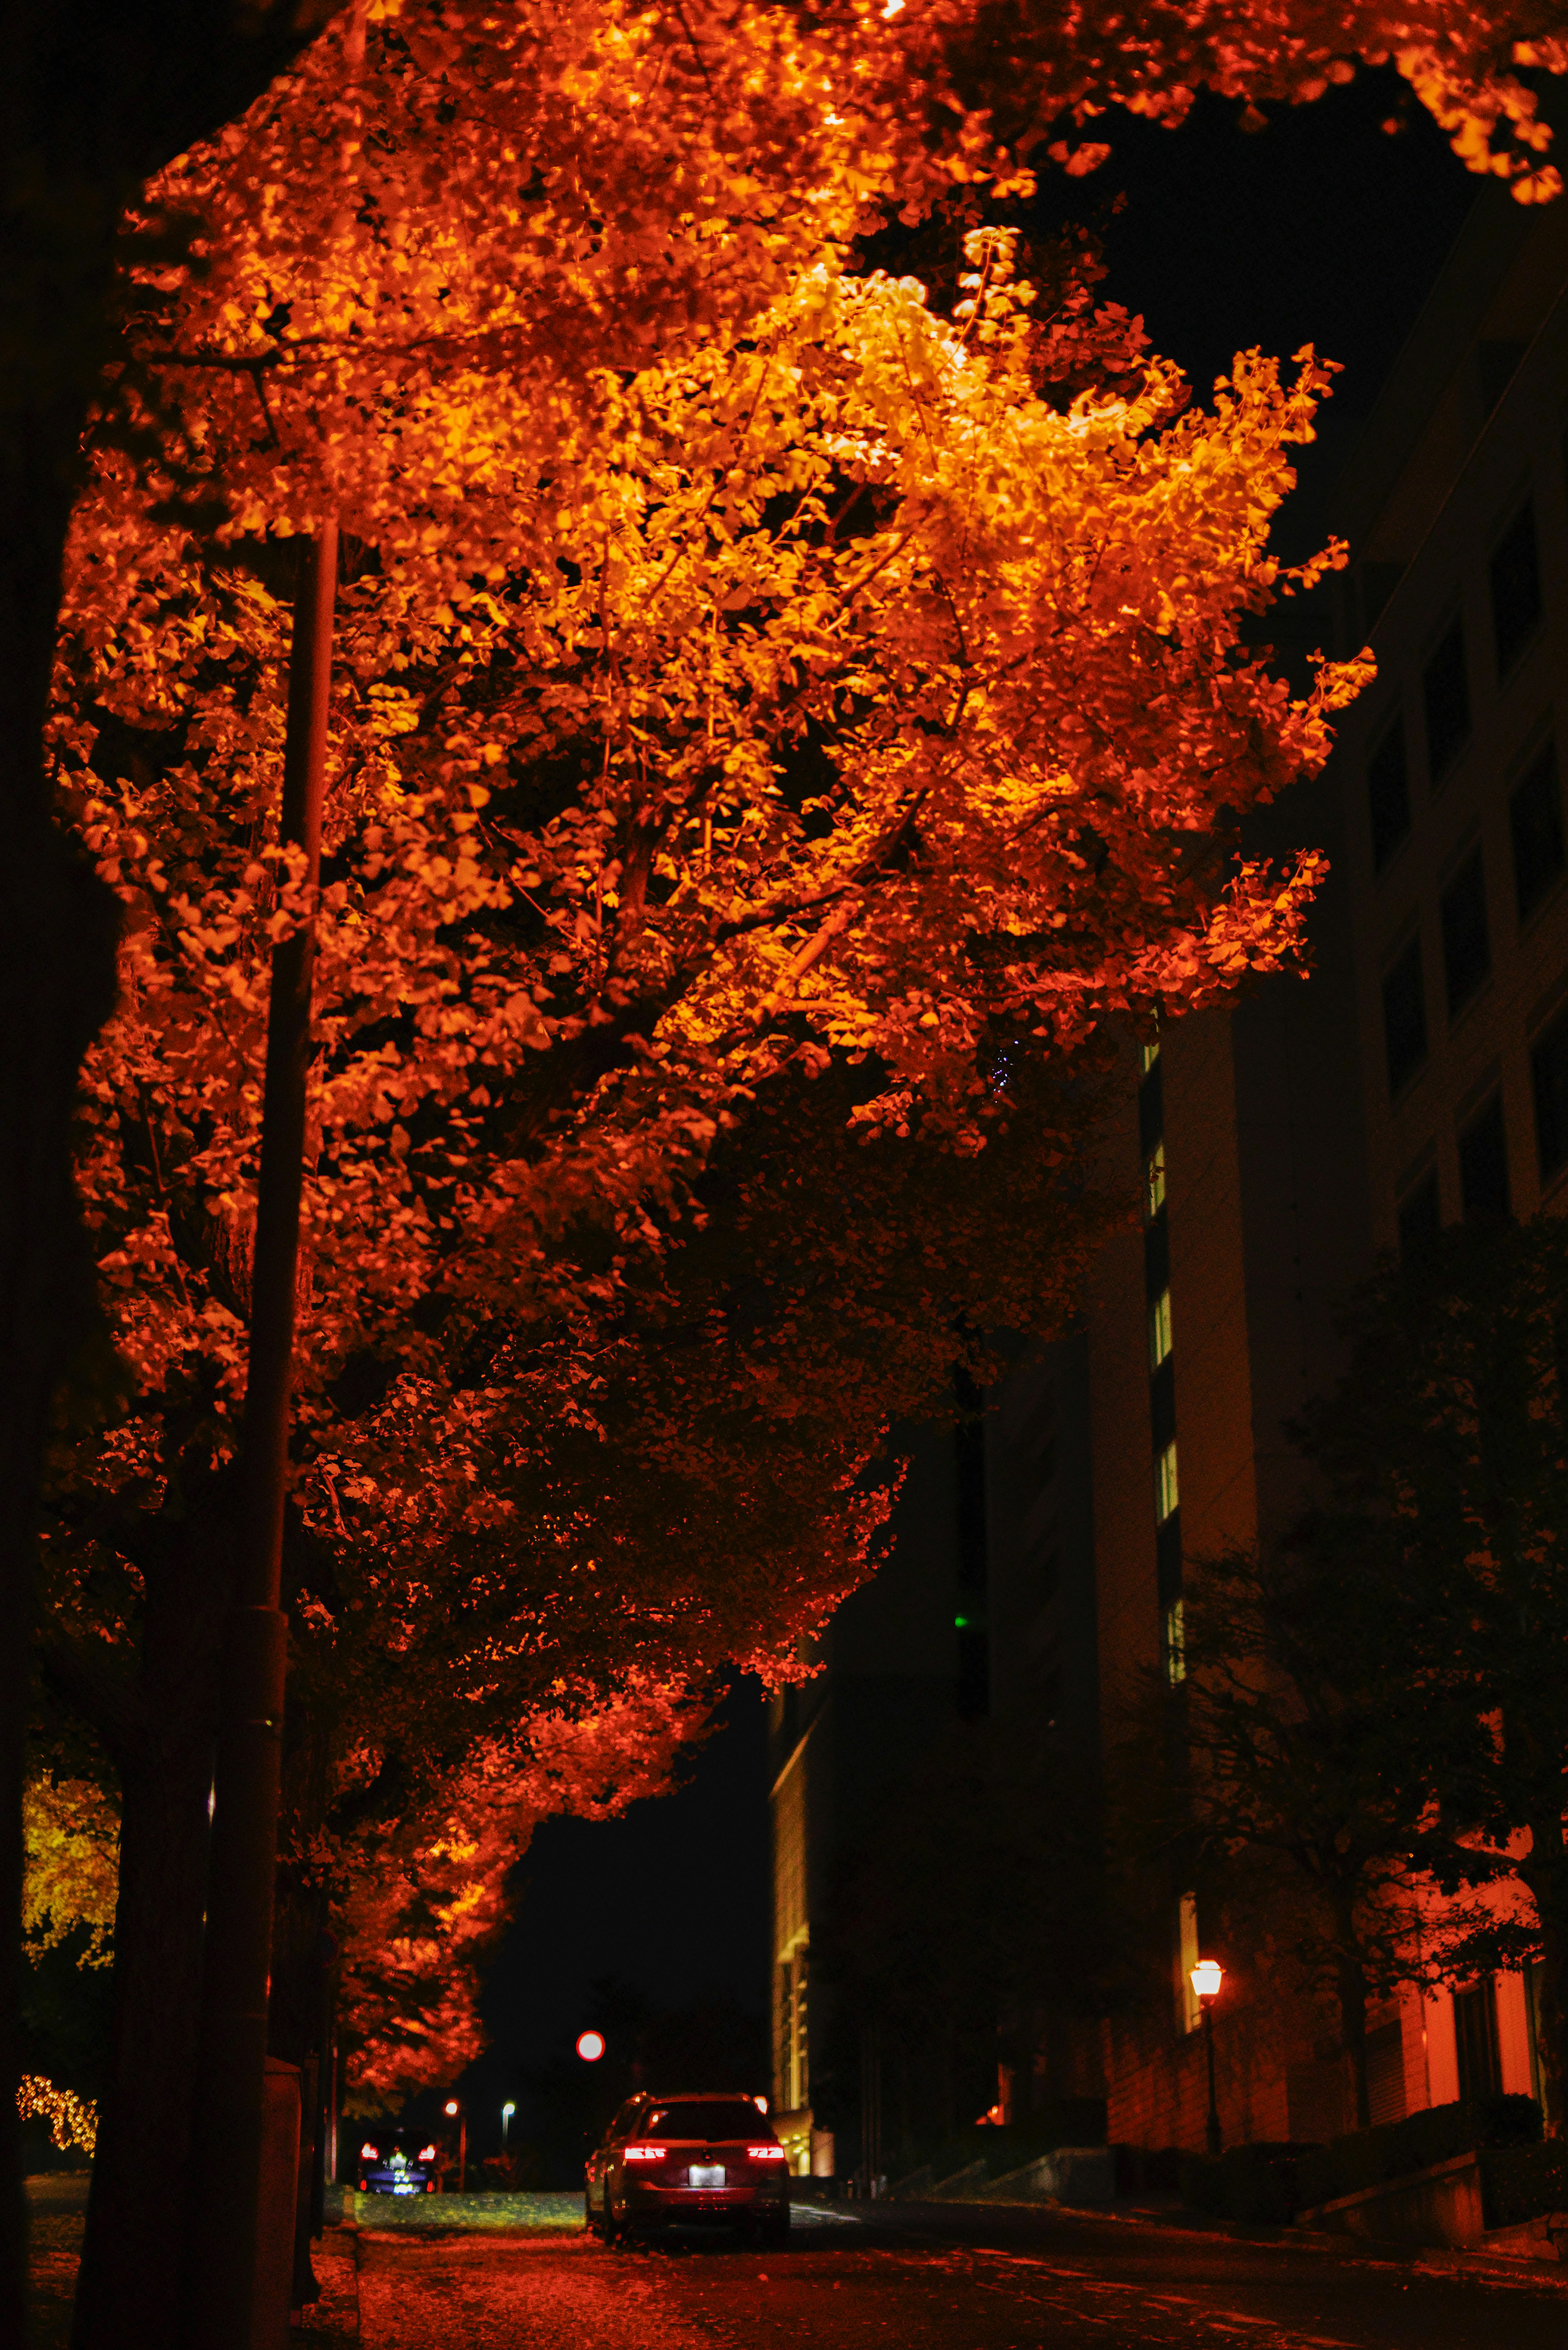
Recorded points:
(1352, 1990)
(57, 929)
(133, 2259)
(1545, 1873)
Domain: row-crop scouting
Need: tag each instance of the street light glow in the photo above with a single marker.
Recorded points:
(451, 2107)
(507, 2111)
(590, 2047)
(1207, 1977)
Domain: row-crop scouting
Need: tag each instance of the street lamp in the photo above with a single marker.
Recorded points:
(455, 2112)
(1206, 1979)
(590, 2047)
(507, 2111)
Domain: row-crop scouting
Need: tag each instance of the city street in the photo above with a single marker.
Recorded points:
(932, 2278)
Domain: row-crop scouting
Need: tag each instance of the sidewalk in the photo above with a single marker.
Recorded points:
(1485, 2265)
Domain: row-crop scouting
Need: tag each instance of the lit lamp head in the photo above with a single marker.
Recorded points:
(507, 2110)
(590, 2047)
(450, 2105)
(1207, 1977)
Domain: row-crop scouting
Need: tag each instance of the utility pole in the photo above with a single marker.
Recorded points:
(227, 2170)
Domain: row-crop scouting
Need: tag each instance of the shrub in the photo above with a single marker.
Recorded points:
(1521, 2182)
(1394, 2149)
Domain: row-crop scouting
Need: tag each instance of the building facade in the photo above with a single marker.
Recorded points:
(1419, 1077)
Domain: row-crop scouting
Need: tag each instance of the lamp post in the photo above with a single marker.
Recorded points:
(455, 2112)
(1206, 1979)
(507, 2111)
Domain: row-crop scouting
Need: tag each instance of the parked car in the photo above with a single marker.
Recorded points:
(387, 2166)
(698, 2159)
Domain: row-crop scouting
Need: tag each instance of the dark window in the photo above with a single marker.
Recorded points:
(1475, 2038)
(1162, 1404)
(973, 1670)
(1167, 1558)
(1483, 1166)
(1466, 948)
(1549, 1082)
(1388, 795)
(1150, 1111)
(1419, 1220)
(1405, 1018)
(1535, 827)
(1447, 696)
(1157, 1255)
(1515, 589)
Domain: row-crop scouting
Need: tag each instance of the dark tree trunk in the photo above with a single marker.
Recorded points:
(1351, 1985)
(56, 980)
(1545, 1872)
(127, 2294)
(94, 96)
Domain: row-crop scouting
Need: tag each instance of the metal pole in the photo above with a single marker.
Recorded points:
(227, 2174)
(462, 2150)
(1211, 2127)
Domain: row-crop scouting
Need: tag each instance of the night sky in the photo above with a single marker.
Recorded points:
(1318, 228)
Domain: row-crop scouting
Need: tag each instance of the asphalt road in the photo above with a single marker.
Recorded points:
(934, 2277)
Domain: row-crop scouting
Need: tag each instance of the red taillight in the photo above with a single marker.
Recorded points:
(646, 2153)
(764, 2154)
(367, 2153)
(430, 2187)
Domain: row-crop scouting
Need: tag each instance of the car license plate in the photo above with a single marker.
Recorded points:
(706, 2174)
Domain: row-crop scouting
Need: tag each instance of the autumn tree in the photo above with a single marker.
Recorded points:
(846, 734)
(1275, 1777)
(98, 99)
(1446, 1445)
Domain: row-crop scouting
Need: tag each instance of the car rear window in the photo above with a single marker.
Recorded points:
(711, 2118)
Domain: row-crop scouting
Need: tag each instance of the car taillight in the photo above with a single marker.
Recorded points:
(430, 2187)
(367, 2153)
(427, 2154)
(364, 2186)
(764, 2154)
(646, 2153)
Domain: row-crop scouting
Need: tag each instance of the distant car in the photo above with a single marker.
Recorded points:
(387, 2166)
(698, 2159)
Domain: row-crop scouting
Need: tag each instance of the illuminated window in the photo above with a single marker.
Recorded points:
(1188, 2013)
(1175, 1638)
(1154, 1182)
(1159, 1330)
(1166, 1491)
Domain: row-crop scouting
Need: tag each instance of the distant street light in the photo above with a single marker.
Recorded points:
(507, 2111)
(453, 2109)
(1206, 1979)
(590, 2047)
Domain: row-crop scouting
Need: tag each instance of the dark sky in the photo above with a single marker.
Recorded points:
(672, 1900)
(1319, 228)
